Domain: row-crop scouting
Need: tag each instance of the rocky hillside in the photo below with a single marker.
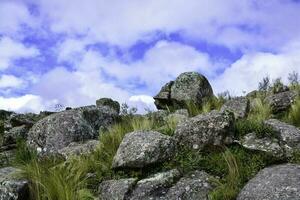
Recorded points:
(197, 146)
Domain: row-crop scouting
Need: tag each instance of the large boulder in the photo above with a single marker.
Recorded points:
(239, 106)
(281, 101)
(12, 188)
(193, 186)
(10, 137)
(288, 134)
(109, 102)
(211, 129)
(274, 183)
(77, 125)
(189, 87)
(116, 189)
(141, 148)
(156, 186)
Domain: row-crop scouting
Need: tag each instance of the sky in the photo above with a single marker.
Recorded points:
(72, 52)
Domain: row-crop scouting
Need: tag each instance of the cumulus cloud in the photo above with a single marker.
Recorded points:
(234, 23)
(245, 73)
(26, 103)
(11, 50)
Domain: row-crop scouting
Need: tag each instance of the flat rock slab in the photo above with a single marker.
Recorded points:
(274, 183)
(12, 188)
(287, 133)
(141, 148)
(211, 129)
(116, 189)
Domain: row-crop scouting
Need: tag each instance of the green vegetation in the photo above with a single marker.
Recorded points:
(259, 110)
(1, 132)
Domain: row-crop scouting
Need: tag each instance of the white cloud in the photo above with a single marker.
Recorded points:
(11, 50)
(245, 73)
(13, 15)
(233, 23)
(10, 81)
(26, 103)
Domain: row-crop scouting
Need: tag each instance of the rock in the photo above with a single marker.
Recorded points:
(268, 145)
(288, 134)
(281, 101)
(10, 137)
(27, 119)
(158, 116)
(279, 182)
(116, 189)
(156, 186)
(77, 125)
(194, 186)
(211, 129)
(184, 112)
(189, 87)
(12, 188)
(110, 103)
(77, 148)
(239, 106)
(141, 148)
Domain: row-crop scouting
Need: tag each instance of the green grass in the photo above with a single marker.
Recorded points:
(245, 126)
(213, 103)
(1, 132)
(294, 113)
(259, 110)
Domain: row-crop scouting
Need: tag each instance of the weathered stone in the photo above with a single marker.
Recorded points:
(12, 188)
(274, 183)
(194, 186)
(239, 106)
(211, 129)
(77, 148)
(156, 186)
(27, 119)
(141, 148)
(116, 189)
(189, 87)
(288, 134)
(184, 112)
(77, 125)
(158, 116)
(281, 101)
(109, 102)
(6, 158)
(268, 145)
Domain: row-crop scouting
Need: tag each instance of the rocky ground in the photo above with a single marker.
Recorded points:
(197, 146)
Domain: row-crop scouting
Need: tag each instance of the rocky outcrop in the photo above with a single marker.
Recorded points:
(281, 101)
(239, 106)
(274, 183)
(268, 145)
(189, 87)
(10, 137)
(108, 102)
(211, 129)
(288, 134)
(141, 148)
(116, 189)
(12, 188)
(77, 125)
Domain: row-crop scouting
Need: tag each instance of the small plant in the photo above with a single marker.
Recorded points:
(293, 79)
(126, 110)
(277, 86)
(259, 110)
(294, 113)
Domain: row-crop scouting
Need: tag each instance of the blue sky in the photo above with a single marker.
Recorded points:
(74, 52)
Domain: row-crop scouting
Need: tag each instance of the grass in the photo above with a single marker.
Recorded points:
(213, 103)
(259, 110)
(294, 113)
(1, 132)
(245, 126)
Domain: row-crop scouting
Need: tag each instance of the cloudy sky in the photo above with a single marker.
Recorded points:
(73, 52)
